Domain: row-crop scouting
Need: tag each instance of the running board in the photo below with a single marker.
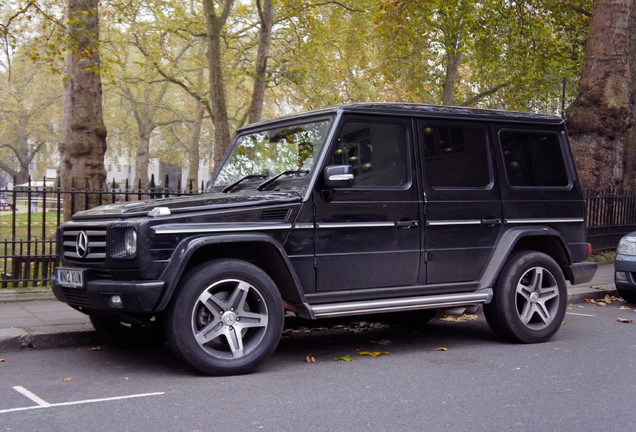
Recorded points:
(400, 304)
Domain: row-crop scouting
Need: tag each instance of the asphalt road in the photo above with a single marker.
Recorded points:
(445, 376)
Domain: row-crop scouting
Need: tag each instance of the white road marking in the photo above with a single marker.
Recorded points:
(579, 314)
(41, 403)
(35, 398)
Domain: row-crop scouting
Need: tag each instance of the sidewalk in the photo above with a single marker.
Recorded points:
(35, 319)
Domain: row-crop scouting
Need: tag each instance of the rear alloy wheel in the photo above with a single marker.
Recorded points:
(530, 299)
(227, 317)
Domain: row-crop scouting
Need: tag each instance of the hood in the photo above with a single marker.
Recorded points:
(188, 203)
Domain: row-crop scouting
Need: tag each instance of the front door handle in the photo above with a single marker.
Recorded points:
(407, 224)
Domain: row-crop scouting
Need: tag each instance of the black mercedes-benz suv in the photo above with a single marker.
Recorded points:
(358, 209)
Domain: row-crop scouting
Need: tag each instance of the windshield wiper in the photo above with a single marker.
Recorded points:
(228, 188)
(277, 176)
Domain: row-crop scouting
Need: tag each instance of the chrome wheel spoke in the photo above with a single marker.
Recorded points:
(543, 313)
(524, 291)
(537, 279)
(547, 294)
(210, 332)
(239, 295)
(211, 303)
(526, 313)
(235, 341)
(252, 320)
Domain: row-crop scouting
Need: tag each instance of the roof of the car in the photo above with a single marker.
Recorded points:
(422, 110)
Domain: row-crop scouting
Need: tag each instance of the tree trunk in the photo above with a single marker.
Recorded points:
(453, 60)
(601, 119)
(266, 17)
(83, 141)
(193, 149)
(215, 24)
(143, 156)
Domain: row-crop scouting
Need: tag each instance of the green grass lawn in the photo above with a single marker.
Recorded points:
(42, 224)
(42, 227)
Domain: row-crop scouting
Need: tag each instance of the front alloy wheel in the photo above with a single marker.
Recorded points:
(229, 319)
(226, 317)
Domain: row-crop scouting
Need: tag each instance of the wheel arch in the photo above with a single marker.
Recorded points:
(260, 250)
(541, 239)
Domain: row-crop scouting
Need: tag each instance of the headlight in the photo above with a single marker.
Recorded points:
(123, 242)
(627, 245)
(130, 241)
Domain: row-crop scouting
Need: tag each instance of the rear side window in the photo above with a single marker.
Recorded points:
(455, 156)
(533, 159)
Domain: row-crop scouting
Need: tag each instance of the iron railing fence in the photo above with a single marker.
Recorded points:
(30, 215)
(609, 216)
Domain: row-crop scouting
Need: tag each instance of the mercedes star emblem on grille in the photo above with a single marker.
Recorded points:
(81, 244)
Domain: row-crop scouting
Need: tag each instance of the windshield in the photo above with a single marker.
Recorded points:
(263, 155)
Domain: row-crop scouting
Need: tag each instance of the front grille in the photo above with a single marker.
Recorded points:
(85, 245)
(76, 297)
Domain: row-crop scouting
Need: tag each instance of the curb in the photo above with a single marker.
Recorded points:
(577, 295)
(59, 336)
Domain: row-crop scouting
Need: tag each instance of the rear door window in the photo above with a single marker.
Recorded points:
(533, 159)
(455, 156)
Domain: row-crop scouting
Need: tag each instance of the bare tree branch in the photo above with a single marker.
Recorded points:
(337, 3)
(483, 94)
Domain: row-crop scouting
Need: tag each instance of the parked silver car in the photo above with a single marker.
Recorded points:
(625, 267)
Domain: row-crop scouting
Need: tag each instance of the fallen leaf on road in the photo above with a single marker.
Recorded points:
(461, 318)
(310, 359)
(373, 353)
(2, 360)
(625, 308)
(596, 302)
(624, 320)
(441, 349)
(345, 358)
(95, 349)
(360, 326)
(65, 379)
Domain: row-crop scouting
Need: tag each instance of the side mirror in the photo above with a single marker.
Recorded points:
(339, 176)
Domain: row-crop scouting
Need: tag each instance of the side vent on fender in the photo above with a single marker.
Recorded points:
(274, 215)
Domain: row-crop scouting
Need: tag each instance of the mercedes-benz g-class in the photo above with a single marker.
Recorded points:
(358, 209)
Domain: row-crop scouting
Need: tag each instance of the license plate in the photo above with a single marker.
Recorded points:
(70, 278)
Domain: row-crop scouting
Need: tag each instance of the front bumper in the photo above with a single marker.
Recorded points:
(625, 272)
(134, 296)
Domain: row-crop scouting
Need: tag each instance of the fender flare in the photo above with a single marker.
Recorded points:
(188, 247)
(506, 245)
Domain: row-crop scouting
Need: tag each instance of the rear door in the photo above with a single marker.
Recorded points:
(463, 199)
(539, 182)
(368, 235)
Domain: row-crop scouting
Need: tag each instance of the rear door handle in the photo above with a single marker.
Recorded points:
(491, 221)
(407, 224)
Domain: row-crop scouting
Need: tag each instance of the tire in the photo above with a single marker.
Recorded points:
(128, 335)
(628, 296)
(530, 299)
(226, 317)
